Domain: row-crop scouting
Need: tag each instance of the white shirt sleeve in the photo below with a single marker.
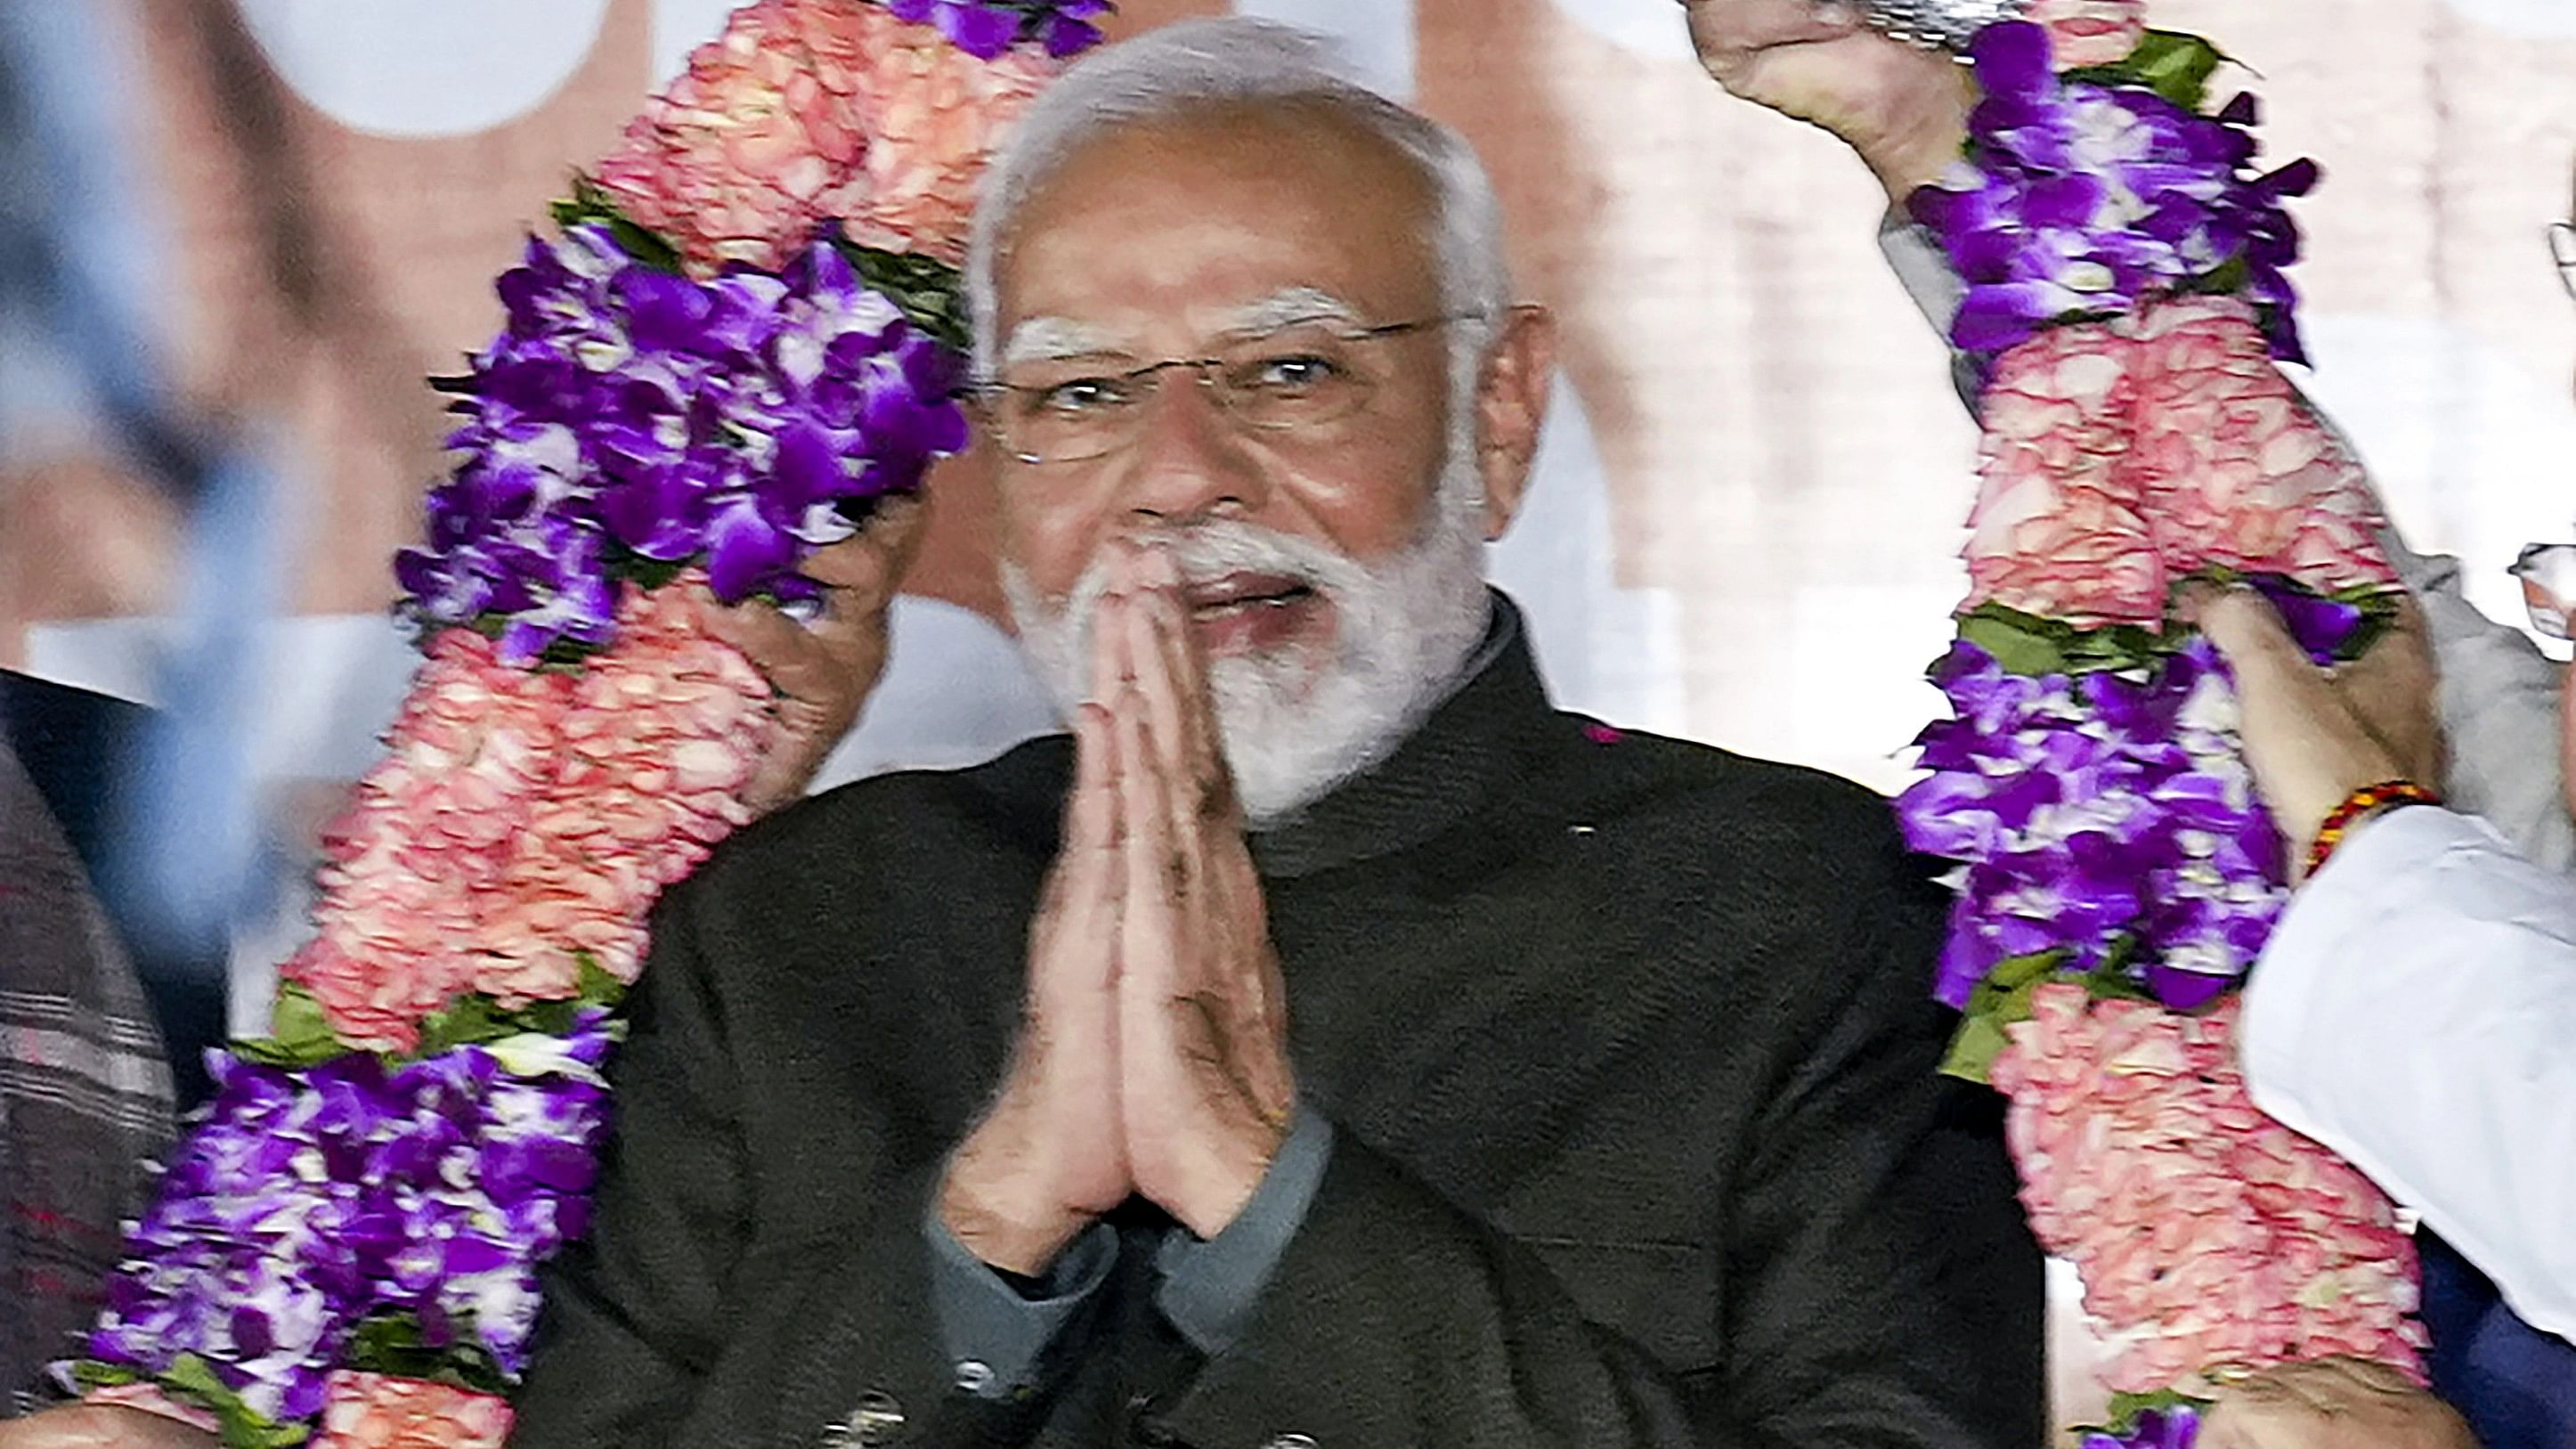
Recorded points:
(2417, 1013)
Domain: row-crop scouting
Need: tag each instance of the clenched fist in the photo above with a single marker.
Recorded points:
(1903, 109)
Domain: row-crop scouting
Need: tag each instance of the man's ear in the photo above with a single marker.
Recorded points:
(1511, 409)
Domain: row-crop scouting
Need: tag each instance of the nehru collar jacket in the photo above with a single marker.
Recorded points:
(1628, 1053)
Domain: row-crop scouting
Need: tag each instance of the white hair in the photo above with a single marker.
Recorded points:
(1237, 61)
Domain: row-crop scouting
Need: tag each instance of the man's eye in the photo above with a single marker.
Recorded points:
(1083, 395)
(1289, 373)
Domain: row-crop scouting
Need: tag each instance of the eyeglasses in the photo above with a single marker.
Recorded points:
(2562, 249)
(1293, 378)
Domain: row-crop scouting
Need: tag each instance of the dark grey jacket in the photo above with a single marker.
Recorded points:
(1626, 1045)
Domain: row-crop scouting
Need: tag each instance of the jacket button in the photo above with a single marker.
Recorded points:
(873, 1424)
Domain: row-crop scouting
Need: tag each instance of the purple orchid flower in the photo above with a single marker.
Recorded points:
(986, 29)
(2084, 200)
(310, 1201)
(2106, 815)
(625, 414)
(2175, 1428)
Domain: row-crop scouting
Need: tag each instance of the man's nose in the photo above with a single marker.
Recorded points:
(1191, 460)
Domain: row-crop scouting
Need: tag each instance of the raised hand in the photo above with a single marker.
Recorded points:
(824, 670)
(1049, 1156)
(1205, 1089)
(1904, 110)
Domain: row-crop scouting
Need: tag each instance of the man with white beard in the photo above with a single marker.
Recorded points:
(1328, 1043)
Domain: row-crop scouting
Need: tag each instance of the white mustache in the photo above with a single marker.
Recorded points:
(1205, 553)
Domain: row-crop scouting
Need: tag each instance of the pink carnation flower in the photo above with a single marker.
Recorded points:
(934, 116)
(522, 819)
(374, 1411)
(2209, 1236)
(2238, 470)
(808, 110)
(2120, 456)
(2091, 32)
(427, 830)
(2057, 529)
(651, 759)
(741, 159)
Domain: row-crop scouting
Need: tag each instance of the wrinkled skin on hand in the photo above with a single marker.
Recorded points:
(1153, 1055)
(91, 1426)
(2339, 1403)
(1903, 109)
(2314, 736)
(825, 668)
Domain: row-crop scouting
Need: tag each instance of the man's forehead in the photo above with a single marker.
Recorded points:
(1125, 330)
(1216, 210)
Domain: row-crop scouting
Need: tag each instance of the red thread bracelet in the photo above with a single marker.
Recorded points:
(2361, 802)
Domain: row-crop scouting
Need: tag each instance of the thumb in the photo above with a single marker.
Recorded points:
(2250, 635)
(2306, 749)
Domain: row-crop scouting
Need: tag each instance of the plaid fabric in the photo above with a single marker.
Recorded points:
(84, 1092)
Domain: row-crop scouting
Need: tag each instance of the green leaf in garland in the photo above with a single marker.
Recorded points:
(192, 1379)
(89, 1373)
(591, 205)
(2030, 645)
(929, 291)
(462, 1022)
(395, 1344)
(476, 1020)
(2175, 66)
(2003, 998)
(2378, 608)
(299, 1035)
(648, 574)
(2125, 1408)
(2019, 642)
(595, 985)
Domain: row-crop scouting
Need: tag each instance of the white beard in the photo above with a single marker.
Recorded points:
(1295, 726)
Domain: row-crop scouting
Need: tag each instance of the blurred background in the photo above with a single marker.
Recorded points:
(240, 233)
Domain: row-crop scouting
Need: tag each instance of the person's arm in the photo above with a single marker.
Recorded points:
(2499, 693)
(2417, 1013)
(1880, 1286)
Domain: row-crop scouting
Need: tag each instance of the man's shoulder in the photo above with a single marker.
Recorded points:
(1720, 788)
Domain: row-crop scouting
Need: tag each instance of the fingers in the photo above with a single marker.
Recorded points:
(774, 643)
(1740, 27)
(1196, 737)
(1092, 831)
(1154, 946)
(2308, 750)
(2395, 689)
(2404, 654)
(2331, 1404)
(875, 558)
(2247, 630)
(858, 575)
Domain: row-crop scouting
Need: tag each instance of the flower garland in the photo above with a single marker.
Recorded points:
(744, 334)
(2127, 303)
